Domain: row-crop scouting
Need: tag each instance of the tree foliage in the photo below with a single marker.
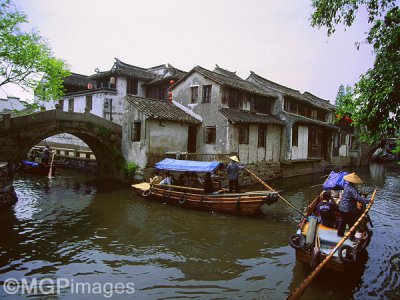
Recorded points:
(25, 57)
(344, 96)
(374, 104)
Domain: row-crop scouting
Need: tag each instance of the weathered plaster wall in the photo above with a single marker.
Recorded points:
(209, 113)
(344, 149)
(156, 136)
(166, 136)
(273, 143)
(301, 150)
(251, 153)
(133, 151)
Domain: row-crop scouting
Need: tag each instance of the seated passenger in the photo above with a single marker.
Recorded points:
(326, 210)
(195, 181)
(167, 180)
(208, 184)
(181, 180)
(156, 179)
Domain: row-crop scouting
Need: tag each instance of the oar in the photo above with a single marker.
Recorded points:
(272, 190)
(295, 294)
(51, 166)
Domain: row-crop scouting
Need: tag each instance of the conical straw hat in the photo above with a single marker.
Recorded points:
(353, 178)
(234, 158)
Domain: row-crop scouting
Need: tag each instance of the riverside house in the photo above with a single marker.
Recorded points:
(214, 113)
(238, 117)
(309, 130)
(153, 126)
(103, 93)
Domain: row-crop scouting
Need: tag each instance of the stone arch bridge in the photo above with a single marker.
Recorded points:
(19, 134)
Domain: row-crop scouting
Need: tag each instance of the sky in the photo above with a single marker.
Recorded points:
(273, 38)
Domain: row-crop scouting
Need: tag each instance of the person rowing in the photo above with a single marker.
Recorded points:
(348, 204)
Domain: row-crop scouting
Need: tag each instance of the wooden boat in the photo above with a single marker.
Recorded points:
(35, 168)
(313, 241)
(246, 203)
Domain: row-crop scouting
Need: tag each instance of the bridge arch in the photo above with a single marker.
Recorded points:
(19, 134)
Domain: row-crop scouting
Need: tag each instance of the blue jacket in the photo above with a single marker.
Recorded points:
(349, 199)
(233, 170)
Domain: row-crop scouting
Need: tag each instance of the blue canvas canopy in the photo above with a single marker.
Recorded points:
(187, 165)
(335, 181)
(30, 163)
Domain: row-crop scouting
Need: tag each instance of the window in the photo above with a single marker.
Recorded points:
(353, 143)
(244, 134)
(225, 96)
(71, 104)
(261, 136)
(136, 128)
(207, 93)
(194, 94)
(315, 136)
(132, 86)
(262, 105)
(89, 102)
(210, 134)
(342, 139)
(295, 135)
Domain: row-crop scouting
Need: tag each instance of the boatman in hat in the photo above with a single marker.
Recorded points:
(233, 174)
(348, 204)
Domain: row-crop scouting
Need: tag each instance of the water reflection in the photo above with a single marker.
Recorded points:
(77, 226)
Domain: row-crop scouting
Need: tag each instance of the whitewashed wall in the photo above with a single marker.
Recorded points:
(301, 151)
(208, 112)
(344, 149)
(11, 103)
(156, 137)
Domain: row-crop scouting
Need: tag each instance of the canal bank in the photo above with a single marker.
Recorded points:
(7, 194)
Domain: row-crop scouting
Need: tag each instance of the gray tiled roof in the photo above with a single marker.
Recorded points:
(306, 97)
(77, 80)
(160, 110)
(319, 101)
(173, 72)
(124, 69)
(219, 70)
(305, 120)
(236, 83)
(247, 117)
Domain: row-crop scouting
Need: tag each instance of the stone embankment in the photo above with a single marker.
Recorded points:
(7, 193)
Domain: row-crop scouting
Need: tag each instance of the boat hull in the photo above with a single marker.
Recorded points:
(39, 170)
(247, 203)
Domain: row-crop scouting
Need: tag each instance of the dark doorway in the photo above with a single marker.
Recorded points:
(192, 134)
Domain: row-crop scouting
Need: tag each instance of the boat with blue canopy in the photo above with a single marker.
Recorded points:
(170, 164)
(245, 203)
(31, 167)
(315, 240)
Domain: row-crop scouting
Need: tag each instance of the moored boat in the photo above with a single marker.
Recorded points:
(246, 203)
(30, 167)
(314, 242)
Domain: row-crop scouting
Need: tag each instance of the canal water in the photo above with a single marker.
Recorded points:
(77, 228)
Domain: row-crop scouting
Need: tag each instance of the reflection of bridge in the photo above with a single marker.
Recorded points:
(19, 134)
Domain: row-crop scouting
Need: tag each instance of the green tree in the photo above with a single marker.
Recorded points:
(344, 96)
(375, 102)
(25, 57)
